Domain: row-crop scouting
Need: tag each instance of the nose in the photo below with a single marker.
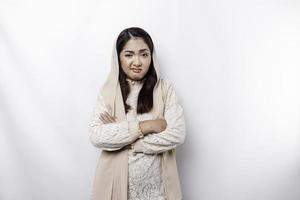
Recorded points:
(137, 61)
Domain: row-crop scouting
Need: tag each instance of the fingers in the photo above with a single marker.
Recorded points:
(112, 119)
(105, 117)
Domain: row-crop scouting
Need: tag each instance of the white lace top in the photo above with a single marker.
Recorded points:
(144, 160)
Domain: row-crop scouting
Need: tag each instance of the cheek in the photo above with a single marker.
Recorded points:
(124, 66)
(124, 62)
(147, 63)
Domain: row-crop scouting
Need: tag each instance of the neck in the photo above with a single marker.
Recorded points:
(141, 80)
(135, 82)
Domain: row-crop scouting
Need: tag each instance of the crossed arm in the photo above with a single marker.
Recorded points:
(159, 135)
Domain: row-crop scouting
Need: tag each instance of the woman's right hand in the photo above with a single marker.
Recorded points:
(153, 126)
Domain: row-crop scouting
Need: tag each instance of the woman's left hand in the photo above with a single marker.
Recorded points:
(106, 118)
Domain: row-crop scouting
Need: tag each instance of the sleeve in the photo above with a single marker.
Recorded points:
(110, 136)
(172, 136)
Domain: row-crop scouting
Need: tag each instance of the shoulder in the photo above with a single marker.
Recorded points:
(168, 90)
(101, 103)
(167, 85)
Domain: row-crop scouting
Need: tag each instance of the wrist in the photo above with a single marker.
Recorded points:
(140, 131)
(145, 126)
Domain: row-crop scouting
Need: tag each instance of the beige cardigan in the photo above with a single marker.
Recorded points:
(111, 176)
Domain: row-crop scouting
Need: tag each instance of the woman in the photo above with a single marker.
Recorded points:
(138, 123)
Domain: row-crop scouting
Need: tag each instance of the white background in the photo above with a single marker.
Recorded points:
(235, 66)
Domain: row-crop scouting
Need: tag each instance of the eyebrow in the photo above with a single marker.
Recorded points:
(141, 50)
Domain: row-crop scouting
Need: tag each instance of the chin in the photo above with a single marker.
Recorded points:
(137, 78)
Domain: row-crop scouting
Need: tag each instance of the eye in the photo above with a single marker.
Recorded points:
(128, 55)
(145, 54)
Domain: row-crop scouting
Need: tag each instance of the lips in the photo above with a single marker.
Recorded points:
(136, 70)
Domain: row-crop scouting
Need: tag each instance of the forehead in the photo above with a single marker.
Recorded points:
(135, 44)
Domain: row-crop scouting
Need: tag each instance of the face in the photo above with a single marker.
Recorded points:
(135, 58)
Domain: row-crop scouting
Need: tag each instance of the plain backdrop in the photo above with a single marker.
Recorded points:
(235, 66)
